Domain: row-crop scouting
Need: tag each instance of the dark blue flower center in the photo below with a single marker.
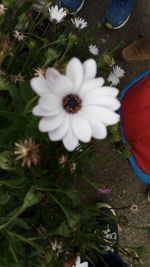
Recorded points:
(72, 103)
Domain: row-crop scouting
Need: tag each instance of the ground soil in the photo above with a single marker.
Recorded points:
(116, 173)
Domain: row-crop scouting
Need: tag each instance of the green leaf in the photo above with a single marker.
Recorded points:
(29, 106)
(20, 222)
(4, 83)
(15, 182)
(4, 198)
(26, 91)
(62, 230)
(31, 199)
(5, 160)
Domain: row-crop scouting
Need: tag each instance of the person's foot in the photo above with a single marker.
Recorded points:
(72, 5)
(118, 13)
(137, 51)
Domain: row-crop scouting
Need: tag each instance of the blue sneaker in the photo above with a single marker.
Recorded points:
(118, 13)
(72, 5)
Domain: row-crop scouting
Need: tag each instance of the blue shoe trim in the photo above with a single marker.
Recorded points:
(75, 10)
(145, 177)
(117, 15)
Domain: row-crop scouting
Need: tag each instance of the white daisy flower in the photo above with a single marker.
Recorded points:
(57, 15)
(94, 50)
(113, 79)
(2, 9)
(79, 264)
(118, 71)
(79, 23)
(75, 106)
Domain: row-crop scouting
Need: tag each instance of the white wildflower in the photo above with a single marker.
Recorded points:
(57, 15)
(18, 35)
(2, 9)
(113, 79)
(17, 78)
(94, 50)
(62, 159)
(57, 247)
(79, 23)
(75, 106)
(73, 166)
(118, 71)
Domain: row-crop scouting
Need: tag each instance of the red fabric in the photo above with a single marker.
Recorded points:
(135, 116)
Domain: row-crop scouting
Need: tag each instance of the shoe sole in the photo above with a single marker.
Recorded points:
(76, 10)
(120, 26)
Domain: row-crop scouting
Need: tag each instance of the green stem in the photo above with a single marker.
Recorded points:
(26, 240)
(59, 204)
(12, 218)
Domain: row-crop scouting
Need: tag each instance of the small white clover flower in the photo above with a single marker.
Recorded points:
(79, 23)
(94, 50)
(118, 71)
(113, 79)
(18, 35)
(2, 9)
(57, 15)
(79, 264)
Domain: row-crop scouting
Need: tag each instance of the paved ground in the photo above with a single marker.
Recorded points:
(127, 189)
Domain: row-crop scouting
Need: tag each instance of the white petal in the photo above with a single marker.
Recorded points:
(78, 260)
(81, 128)
(39, 111)
(90, 69)
(59, 84)
(84, 264)
(95, 98)
(91, 85)
(70, 141)
(107, 116)
(60, 132)
(108, 90)
(47, 124)
(50, 102)
(51, 76)
(74, 71)
(99, 130)
(39, 85)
